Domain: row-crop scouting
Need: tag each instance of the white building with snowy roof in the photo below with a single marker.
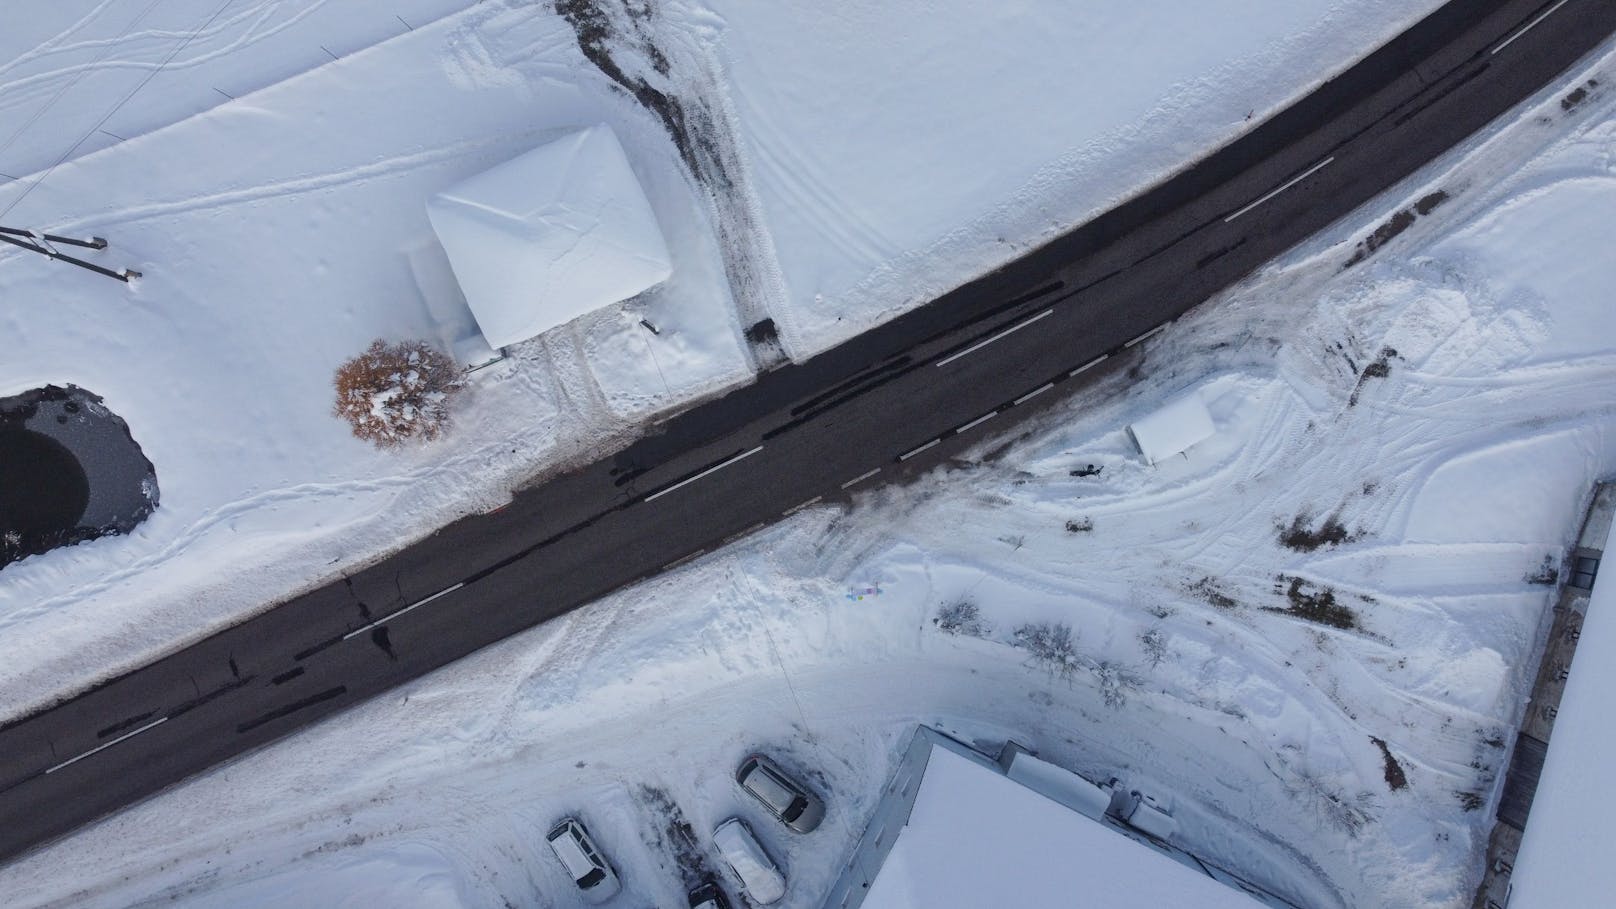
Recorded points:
(956, 829)
(550, 235)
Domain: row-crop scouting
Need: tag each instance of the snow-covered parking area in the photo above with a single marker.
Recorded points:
(1312, 631)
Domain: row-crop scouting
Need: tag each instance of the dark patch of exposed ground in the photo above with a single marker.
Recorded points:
(1314, 603)
(677, 838)
(1302, 537)
(1379, 368)
(1395, 777)
(1400, 221)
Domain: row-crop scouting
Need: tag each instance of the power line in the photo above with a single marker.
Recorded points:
(103, 121)
(77, 77)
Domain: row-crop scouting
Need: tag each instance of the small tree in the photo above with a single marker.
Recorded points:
(395, 392)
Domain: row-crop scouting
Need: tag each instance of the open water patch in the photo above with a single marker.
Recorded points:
(69, 471)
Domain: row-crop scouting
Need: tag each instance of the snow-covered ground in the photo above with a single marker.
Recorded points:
(273, 197)
(1445, 405)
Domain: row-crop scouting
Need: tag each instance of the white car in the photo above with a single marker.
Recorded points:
(571, 844)
(759, 877)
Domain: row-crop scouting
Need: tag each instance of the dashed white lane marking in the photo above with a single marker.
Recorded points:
(689, 558)
(1157, 330)
(1034, 393)
(741, 533)
(861, 478)
(130, 734)
(989, 340)
(914, 451)
(1282, 187)
(800, 506)
(1089, 365)
(1527, 27)
(978, 421)
(716, 467)
(393, 615)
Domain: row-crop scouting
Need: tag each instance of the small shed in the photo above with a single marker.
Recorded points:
(1172, 429)
(550, 235)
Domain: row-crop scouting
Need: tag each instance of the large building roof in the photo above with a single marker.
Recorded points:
(976, 838)
(548, 236)
(1561, 861)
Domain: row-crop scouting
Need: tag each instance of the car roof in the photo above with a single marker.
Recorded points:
(743, 853)
(563, 839)
(771, 786)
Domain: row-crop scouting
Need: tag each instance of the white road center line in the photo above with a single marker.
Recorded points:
(130, 734)
(914, 451)
(716, 467)
(1281, 188)
(741, 533)
(1159, 328)
(1089, 365)
(393, 615)
(800, 506)
(1034, 393)
(989, 340)
(978, 421)
(689, 558)
(1528, 26)
(861, 478)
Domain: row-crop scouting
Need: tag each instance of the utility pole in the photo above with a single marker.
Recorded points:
(44, 244)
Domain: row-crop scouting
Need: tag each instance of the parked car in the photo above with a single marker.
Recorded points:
(708, 896)
(785, 798)
(570, 842)
(741, 851)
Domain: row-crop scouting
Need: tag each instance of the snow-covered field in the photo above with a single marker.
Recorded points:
(1445, 405)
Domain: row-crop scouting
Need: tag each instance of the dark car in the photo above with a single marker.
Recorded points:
(708, 896)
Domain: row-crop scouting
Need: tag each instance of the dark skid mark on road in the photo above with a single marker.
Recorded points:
(122, 725)
(292, 708)
(381, 639)
(1396, 224)
(287, 676)
(1445, 90)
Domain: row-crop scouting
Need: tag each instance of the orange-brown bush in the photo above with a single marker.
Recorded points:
(395, 392)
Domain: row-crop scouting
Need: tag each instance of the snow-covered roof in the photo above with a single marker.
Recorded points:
(1559, 860)
(1173, 428)
(976, 838)
(548, 236)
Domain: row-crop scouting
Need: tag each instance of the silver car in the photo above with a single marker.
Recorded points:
(785, 798)
(571, 844)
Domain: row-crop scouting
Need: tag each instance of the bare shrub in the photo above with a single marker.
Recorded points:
(1051, 645)
(393, 393)
(961, 616)
(1331, 806)
(1154, 644)
(1115, 683)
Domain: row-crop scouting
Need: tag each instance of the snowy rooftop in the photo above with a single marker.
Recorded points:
(1576, 793)
(976, 838)
(1172, 429)
(550, 235)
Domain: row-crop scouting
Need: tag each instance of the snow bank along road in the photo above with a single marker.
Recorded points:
(891, 402)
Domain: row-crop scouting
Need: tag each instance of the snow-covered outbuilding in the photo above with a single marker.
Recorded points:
(1173, 428)
(550, 235)
(957, 830)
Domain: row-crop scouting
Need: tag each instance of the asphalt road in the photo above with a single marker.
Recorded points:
(844, 420)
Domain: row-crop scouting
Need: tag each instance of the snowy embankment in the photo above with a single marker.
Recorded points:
(1313, 631)
(281, 230)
